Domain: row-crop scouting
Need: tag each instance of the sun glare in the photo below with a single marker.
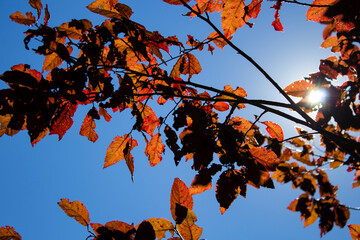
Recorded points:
(317, 96)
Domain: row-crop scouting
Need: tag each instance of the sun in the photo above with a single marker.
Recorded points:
(317, 96)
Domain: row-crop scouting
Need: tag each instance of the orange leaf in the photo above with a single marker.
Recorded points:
(198, 188)
(119, 226)
(8, 233)
(232, 16)
(37, 5)
(313, 216)
(176, 2)
(18, 17)
(104, 113)
(221, 106)
(75, 210)
(5, 129)
(254, 8)
(354, 231)
(88, 128)
(154, 149)
(150, 121)
(265, 157)
(47, 16)
(160, 226)
(274, 130)
(180, 195)
(317, 14)
(191, 66)
(118, 149)
(330, 42)
(110, 9)
(189, 230)
(299, 88)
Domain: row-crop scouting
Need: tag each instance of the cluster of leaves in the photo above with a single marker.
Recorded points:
(119, 65)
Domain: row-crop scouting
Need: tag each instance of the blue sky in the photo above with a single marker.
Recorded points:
(35, 178)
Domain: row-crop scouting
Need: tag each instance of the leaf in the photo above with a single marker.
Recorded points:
(111, 9)
(119, 225)
(154, 149)
(104, 113)
(150, 121)
(254, 8)
(230, 184)
(354, 231)
(304, 158)
(313, 216)
(232, 16)
(161, 226)
(189, 231)
(299, 88)
(274, 130)
(180, 195)
(277, 25)
(221, 106)
(176, 2)
(317, 14)
(118, 149)
(88, 129)
(53, 60)
(191, 66)
(219, 42)
(145, 231)
(5, 129)
(330, 42)
(18, 17)
(47, 16)
(37, 5)
(71, 32)
(265, 157)
(9, 233)
(75, 210)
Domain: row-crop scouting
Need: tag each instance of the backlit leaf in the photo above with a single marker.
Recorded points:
(161, 226)
(277, 25)
(330, 42)
(318, 13)
(8, 233)
(221, 106)
(254, 8)
(189, 230)
(176, 2)
(265, 157)
(4, 126)
(191, 66)
(75, 210)
(230, 184)
(105, 114)
(110, 9)
(154, 150)
(118, 149)
(299, 88)
(119, 225)
(88, 128)
(150, 121)
(313, 216)
(274, 130)
(18, 17)
(232, 16)
(37, 5)
(354, 231)
(180, 195)
(53, 60)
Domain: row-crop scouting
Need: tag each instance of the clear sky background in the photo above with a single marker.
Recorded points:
(33, 179)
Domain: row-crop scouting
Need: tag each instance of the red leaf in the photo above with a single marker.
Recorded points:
(221, 106)
(37, 5)
(277, 25)
(88, 129)
(64, 121)
(299, 88)
(274, 130)
(265, 157)
(104, 113)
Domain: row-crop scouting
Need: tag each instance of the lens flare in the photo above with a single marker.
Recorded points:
(317, 96)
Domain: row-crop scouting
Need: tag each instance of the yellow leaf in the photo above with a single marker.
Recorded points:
(75, 210)
(232, 16)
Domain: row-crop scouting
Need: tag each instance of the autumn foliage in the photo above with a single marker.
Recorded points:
(119, 66)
